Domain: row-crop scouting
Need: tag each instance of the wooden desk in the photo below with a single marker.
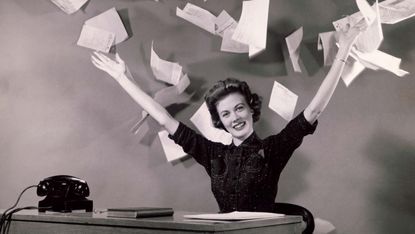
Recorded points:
(30, 221)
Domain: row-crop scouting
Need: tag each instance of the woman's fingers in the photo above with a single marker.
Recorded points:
(97, 63)
(118, 59)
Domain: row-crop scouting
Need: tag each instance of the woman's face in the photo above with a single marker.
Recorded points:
(236, 116)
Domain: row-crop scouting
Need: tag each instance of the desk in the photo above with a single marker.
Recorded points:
(30, 221)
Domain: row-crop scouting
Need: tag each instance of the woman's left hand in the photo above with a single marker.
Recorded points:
(347, 37)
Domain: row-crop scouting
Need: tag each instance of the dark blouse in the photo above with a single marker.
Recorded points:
(245, 177)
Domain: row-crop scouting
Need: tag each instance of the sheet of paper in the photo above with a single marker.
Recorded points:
(351, 70)
(382, 61)
(224, 22)
(110, 21)
(391, 12)
(171, 149)
(69, 6)
(282, 101)
(235, 215)
(163, 70)
(171, 95)
(367, 12)
(293, 43)
(252, 26)
(230, 45)
(370, 39)
(394, 11)
(203, 122)
(165, 97)
(198, 16)
(183, 83)
(327, 43)
(96, 39)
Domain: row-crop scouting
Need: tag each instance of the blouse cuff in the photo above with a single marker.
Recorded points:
(304, 125)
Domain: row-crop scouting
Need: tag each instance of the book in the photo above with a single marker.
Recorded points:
(139, 212)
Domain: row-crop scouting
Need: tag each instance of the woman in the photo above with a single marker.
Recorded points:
(245, 174)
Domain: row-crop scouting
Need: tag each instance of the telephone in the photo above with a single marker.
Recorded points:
(63, 193)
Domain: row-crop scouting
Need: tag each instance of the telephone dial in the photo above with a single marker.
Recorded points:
(63, 193)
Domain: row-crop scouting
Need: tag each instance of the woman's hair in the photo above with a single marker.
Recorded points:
(231, 85)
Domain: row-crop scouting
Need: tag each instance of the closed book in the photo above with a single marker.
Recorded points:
(139, 212)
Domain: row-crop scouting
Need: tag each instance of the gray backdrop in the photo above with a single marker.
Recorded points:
(61, 115)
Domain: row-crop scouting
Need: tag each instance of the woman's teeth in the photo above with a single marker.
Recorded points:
(239, 125)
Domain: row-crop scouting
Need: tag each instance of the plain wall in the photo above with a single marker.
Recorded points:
(61, 115)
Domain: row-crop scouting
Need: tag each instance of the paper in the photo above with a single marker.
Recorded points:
(252, 26)
(390, 11)
(235, 216)
(293, 43)
(203, 122)
(173, 94)
(163, 70)
(171, 149)
(96, 39)
(110, 21)
(69, 6)
(230, 45)
(198, 16)
(225, 27)
(367, 12)
(166, 97)
(327, 43)
(282, 101)
(394, 11)
(381, 60)
(224, 22)
(370, 39)
(351, 70)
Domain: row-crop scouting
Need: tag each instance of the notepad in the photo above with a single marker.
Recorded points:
(139, 212)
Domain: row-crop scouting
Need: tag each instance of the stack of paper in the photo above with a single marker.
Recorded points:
(236, 216)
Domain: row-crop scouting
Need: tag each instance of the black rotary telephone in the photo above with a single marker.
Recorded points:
(64, 193)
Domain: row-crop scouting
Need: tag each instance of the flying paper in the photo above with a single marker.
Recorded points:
(163, 70)
(69, 6)
(293, 43)
(198, 16)
(394, 11)
(109, 22)
(171, 149)
(203, 122)
(252, 26)
(372, 37)
(327, 43)
(282, 101)
(96, 39)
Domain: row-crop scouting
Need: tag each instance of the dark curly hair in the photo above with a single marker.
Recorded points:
(224, 87)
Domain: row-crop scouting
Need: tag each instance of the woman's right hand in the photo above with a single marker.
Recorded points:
(114, 68)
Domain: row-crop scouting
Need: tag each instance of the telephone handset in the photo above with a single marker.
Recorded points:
(64, 193)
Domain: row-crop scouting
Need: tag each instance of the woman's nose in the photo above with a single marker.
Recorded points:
(235, 117)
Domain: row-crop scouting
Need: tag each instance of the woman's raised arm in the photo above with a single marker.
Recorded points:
(117, 69)
(326, 90)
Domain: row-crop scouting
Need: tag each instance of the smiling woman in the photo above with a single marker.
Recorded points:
(244, 175)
